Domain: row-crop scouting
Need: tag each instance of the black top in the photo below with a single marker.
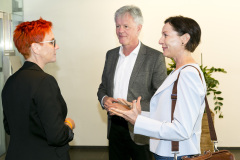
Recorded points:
(34, 113)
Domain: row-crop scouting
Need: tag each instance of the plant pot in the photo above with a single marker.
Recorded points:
(206, 143)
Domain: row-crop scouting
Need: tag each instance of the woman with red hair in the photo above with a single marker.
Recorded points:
(34, 109)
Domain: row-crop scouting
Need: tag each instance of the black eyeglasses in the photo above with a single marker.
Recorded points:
(53, 42)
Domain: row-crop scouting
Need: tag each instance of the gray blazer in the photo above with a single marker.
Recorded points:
(148, 74)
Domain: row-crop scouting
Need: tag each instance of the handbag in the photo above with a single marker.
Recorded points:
(218, 155)
(208, 155)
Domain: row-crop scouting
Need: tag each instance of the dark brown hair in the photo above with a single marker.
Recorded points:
(184, 25)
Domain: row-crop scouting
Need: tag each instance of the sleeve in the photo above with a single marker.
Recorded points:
(102, 102)
(102, 90)
(52, 111)
(158, 76)
(5, 122)
(190, 96)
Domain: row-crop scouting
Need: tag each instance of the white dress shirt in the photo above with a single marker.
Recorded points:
(123, 72)
(186, 126)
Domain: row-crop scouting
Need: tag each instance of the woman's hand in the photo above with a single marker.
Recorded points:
(129, 115)
(117, 106)
(70, 123)
(124, 102)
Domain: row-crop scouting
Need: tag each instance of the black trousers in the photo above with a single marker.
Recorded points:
(121, 146)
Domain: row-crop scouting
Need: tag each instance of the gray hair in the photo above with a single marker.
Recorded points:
(134, 11)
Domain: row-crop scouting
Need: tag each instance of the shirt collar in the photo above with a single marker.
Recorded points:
(135, 51)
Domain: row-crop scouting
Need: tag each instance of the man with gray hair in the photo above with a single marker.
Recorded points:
(130, 71)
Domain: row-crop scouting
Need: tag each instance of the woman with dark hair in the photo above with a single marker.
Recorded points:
(34, 109)
(180, 37)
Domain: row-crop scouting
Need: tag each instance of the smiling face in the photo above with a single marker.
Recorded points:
(47, 50)
(127, 30)
(171, 42)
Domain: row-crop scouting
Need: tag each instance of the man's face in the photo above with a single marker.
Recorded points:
(127, 30)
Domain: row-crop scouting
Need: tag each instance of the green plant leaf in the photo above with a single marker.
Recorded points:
(216, 108)
(219, 98)
(220, 115)
(218, 92)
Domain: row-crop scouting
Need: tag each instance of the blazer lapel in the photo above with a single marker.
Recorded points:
(112, 74)
(168, 81)
(139, 61)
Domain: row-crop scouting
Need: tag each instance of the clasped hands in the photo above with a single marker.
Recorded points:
(120, 107)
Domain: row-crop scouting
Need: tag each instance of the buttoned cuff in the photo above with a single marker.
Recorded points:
(102, 102)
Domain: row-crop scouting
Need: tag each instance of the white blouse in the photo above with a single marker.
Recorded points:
(186, 125)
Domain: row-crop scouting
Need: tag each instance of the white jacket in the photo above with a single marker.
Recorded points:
(186, 126)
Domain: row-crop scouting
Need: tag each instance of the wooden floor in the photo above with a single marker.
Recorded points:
(102, 154)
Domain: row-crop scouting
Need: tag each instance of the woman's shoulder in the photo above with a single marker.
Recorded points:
(41, 75)
(48, 78)
(191, 69)
(192, 75)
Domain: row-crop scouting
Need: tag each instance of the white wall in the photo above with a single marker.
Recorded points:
(85, 31)
(6, 6)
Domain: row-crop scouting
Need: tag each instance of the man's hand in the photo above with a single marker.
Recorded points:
(129, 115)
(108, 101)
(124, 102)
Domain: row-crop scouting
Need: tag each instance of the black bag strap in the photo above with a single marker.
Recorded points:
(175, 144)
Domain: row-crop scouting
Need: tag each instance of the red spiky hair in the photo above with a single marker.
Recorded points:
(27, 33)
